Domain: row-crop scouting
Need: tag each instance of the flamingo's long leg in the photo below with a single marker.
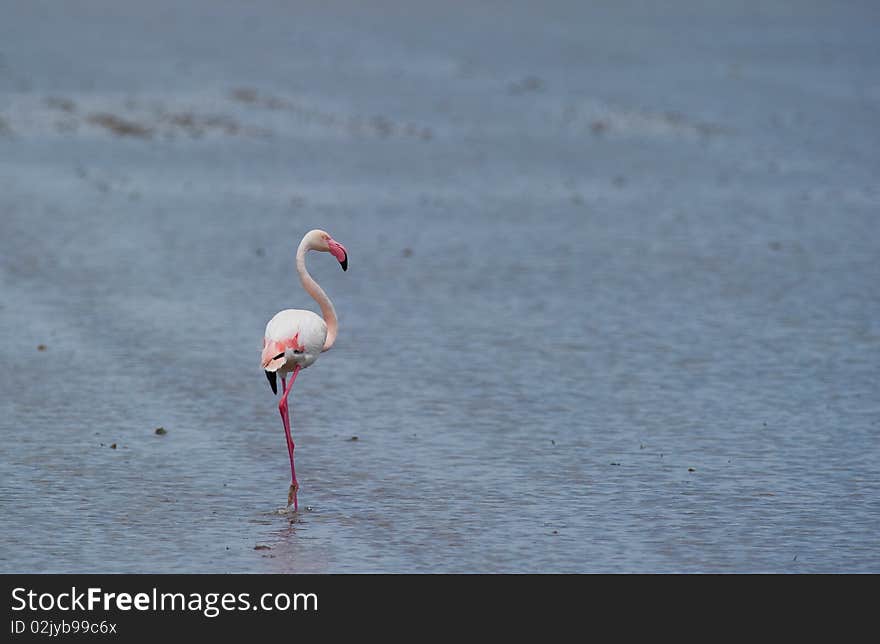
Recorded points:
(285, 418)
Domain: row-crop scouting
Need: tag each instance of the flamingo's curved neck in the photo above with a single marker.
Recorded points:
(313, 289)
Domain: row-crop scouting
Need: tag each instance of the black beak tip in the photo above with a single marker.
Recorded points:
(273, 381)
(344, 263)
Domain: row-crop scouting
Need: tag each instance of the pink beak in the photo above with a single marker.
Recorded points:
(338, 251)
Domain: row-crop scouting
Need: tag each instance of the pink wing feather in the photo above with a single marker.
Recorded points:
(271, 348)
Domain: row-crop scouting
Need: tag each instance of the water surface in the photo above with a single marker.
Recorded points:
(612, 301)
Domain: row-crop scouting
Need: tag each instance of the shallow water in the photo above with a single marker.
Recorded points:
(612, 301)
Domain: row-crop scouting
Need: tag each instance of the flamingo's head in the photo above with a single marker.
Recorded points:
(322, 241)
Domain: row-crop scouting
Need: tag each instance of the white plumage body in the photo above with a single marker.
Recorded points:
(296, 333)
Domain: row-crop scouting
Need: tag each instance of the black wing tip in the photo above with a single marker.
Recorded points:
(273, 381)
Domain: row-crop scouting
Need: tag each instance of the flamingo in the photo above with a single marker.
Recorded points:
(295, 338)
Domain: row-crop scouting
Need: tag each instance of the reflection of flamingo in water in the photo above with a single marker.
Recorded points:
(295, 338)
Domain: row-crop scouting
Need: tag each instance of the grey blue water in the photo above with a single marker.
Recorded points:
(612, 302)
